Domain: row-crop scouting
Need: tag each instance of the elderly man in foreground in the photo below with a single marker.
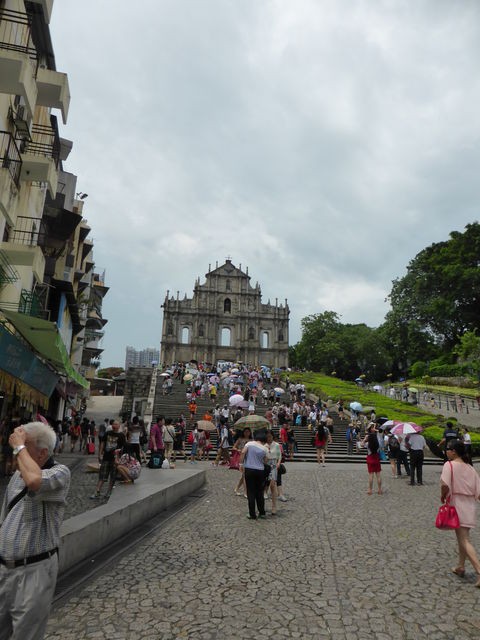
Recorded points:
(30, 518)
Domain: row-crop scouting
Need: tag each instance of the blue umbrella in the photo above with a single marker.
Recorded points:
(355, 406)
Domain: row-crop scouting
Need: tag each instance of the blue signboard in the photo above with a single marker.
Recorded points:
(24, 365)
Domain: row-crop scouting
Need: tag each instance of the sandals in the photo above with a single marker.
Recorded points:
(460, 572)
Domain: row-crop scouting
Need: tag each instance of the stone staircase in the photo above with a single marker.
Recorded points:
(175, 404)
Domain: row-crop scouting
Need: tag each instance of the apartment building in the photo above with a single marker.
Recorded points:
(46, 257)
(141, 358)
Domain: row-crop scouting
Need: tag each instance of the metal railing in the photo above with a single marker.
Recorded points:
(91, 336)
(28, 231)
(8, 274)
(16, 33)
(10, 156)
(44, 142)
(31, 304)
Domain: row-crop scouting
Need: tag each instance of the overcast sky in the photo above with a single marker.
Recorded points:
(323, 143)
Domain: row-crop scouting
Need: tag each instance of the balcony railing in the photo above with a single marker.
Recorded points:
(16, 34)
(10, 156)
(44, 142)
(8, 273)
(31, 304)
(93, 335)
(29, 231)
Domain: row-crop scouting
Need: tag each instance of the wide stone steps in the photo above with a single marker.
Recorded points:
(175, 404)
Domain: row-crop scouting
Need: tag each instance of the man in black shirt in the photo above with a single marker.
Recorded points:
(450, 433)
(111, 444)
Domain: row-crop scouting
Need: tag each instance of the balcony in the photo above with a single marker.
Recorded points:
(22, 250)
(8, 274)
(40, 157)
(29, 231)
(10, 167)
(18, 57)
(53, 91)
(31, 303)
(47, 6)
(86, 247)
(92, 339)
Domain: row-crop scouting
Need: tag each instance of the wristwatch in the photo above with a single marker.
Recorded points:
(17, 450)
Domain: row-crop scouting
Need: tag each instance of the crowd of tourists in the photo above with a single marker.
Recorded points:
(256, 453)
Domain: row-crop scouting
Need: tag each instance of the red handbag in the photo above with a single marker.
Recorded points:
(447, 516)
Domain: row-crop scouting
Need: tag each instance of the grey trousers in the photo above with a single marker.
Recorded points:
(25, 597)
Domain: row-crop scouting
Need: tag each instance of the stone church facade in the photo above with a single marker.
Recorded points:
(225, 320)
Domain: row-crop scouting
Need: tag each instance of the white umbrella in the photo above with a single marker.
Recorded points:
(378, 387)
(236, 399)
(164, 375)
(279, 390)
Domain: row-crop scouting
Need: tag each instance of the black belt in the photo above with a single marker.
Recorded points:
(13, 564)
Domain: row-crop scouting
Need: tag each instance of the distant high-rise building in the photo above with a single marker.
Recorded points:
(144, 358)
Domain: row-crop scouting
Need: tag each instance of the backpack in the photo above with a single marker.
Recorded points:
(393, 443)
(298, 420)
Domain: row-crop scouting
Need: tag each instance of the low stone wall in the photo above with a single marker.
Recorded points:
(128, 507)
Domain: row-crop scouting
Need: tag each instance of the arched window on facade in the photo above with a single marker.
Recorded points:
(185, 335)
(264, 343)
(225, 338)
(227, 306)
(228, 286)
(280, 335)
(251, 333)
(201, 331)
(169, 329)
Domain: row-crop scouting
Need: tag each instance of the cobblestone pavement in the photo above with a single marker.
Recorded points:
(334, 563)
(81, 487)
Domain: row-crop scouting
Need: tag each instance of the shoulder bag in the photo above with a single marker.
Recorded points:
(447, 516)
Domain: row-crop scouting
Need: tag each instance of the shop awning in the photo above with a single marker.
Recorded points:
(47, 342)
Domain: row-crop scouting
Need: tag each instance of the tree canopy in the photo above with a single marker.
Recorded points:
(440, 292)
(435, 313)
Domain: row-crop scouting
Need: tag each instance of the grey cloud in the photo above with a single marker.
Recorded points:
(323, 144)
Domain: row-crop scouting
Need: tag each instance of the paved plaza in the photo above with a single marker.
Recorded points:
(333, 563)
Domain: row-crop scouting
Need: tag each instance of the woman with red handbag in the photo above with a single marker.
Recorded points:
(460, 485)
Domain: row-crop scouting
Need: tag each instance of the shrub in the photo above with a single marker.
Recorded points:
(433, 435)
(449, 370)
(418, 369)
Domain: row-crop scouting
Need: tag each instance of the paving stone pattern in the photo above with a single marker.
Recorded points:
(82, 484)
(333, 563)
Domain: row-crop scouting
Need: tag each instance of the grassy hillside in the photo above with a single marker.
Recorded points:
(334, 389)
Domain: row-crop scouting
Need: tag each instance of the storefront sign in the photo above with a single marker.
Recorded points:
(18, 361)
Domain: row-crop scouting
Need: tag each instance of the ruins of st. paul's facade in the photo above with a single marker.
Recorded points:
(225, 320)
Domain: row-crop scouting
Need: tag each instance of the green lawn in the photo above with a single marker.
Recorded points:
(334, 389)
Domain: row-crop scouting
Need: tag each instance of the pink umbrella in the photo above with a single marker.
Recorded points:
(402, 428)
(236, 399)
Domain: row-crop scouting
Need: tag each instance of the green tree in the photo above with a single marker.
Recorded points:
(440, 291)
(348, 349)
(469, 347)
